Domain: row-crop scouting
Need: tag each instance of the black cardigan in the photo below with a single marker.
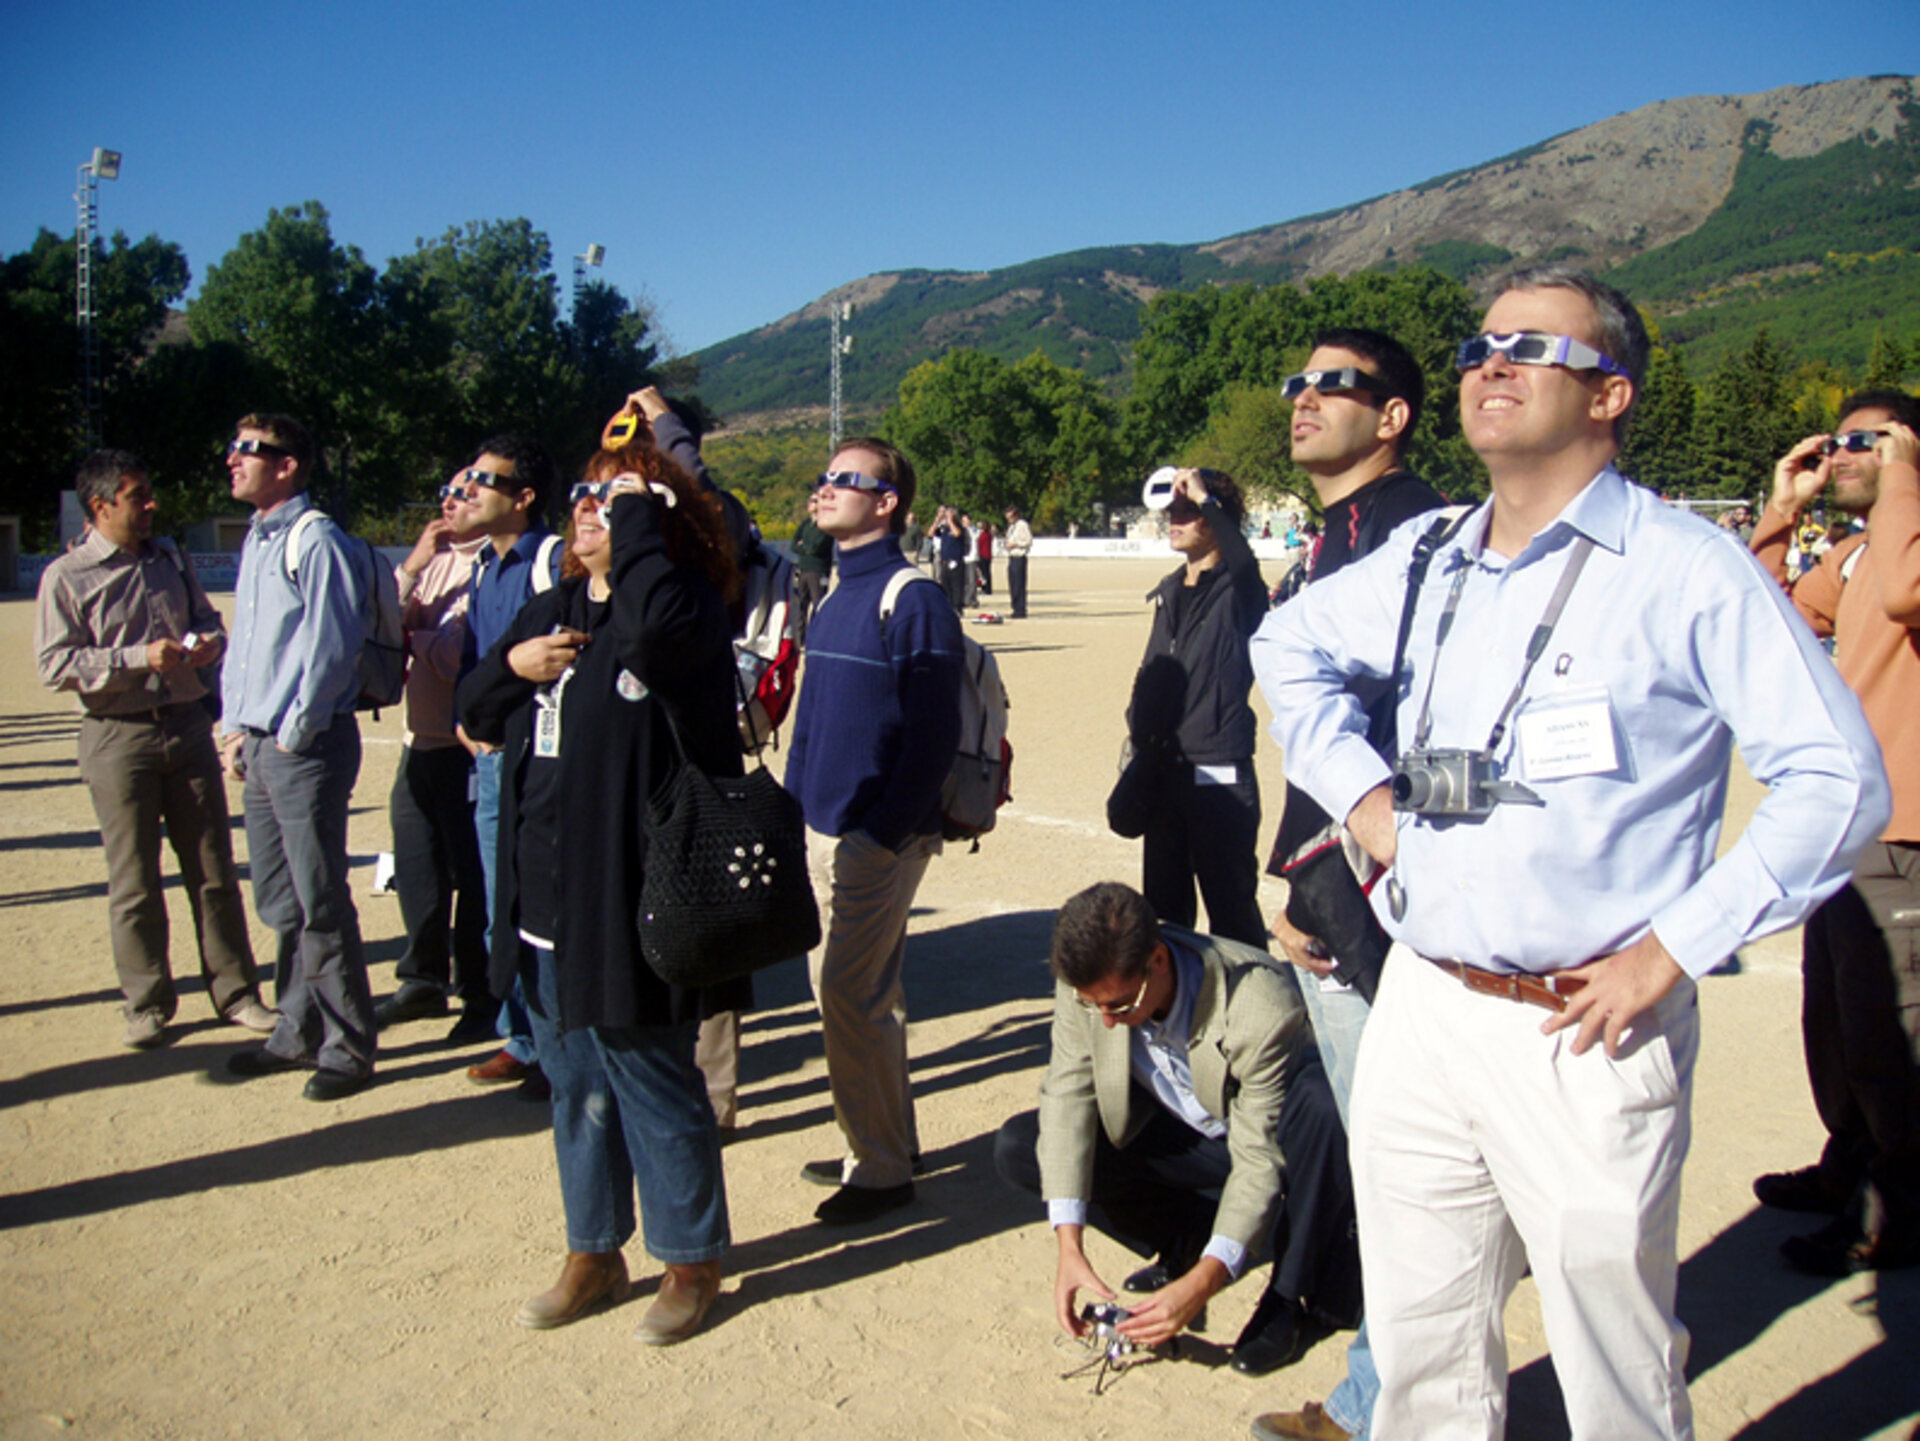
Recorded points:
(666, 628)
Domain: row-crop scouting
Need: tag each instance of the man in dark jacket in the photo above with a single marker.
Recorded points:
(1190, 714)
(878, 727)
(812, 566)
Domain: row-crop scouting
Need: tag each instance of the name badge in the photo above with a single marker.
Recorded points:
(1570, 734)
(546, 731)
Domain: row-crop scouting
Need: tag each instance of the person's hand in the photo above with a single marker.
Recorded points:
(1074, 1274)
(230, 744)
(1303, 950)
(1371, 821)
(204, 651)
(1166, 1312)
(545, 657)
(165, 654)
(433, 536)
(1898, 443)
(1795, 481)
(475, 748)
(1619, 988)
(1189, 484)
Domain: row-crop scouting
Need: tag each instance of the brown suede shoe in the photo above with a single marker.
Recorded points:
(502, 1070)
(587, 1279)
(686, 1292)
(1309, 1423)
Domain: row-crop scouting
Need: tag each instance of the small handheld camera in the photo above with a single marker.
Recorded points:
(1453, 783)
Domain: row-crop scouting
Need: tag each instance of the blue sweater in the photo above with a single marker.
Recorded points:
(879, 718)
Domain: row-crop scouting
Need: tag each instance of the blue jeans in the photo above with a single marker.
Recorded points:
(1338, 1019)
(512, 1026)
(629, 1108)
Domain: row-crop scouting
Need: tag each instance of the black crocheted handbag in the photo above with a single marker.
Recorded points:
(725, 890)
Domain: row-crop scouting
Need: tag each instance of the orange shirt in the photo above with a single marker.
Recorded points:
(1872, 614)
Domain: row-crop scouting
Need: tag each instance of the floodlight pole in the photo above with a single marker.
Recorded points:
(103, 165)
(836, 409)
(594, 255)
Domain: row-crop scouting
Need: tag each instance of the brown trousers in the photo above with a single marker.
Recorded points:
(143, 772)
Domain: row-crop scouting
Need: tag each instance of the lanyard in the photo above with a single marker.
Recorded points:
(1536, 646)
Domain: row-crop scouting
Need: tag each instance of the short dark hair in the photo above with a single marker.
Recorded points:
(1225, 489)
(895, 469)
(1622, 333)
(1106, 930)
(533, 468)
(284, 433)
(1387, 359)
(1897, 403)
(100, 475)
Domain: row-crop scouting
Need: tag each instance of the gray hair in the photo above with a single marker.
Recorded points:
(1622, 333)
(100, 474)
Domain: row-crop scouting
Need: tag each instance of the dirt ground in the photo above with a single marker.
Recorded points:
(184, 1260)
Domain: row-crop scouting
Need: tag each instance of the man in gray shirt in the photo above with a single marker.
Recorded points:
(123, 622)
(291, 685)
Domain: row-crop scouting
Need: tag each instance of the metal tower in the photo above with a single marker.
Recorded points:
(842, 345)
(104, 165)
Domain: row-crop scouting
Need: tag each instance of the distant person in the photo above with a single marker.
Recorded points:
(1185, 1113)
(812, 567)
(878, 727)
(508, 488)
(290, 687)
(951, 557)
(1190, 716)
(1859, 959)
(913, 540)
(970, 560)
(122, 621)
(983, 552)
(437, 871)
(1019, 547)
(1354, 409)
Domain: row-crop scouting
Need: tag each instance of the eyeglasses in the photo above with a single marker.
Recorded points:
(1534, 347)
(1334, 382)
(492, 480)
(255, 447)
(1116, 1009)
(851, 480)
(1857, 441)
(454, 491)
(593, 490)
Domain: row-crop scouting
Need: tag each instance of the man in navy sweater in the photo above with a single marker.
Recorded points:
(878, 726)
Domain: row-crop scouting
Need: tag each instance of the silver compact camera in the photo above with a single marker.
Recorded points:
(1449, 783)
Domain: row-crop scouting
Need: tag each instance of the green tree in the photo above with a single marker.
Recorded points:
(1659, 452)
(1744, 421)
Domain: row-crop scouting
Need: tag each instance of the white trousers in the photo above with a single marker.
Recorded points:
(1481, 1146)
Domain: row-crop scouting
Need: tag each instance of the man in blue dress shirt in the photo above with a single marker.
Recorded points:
(1562, 859)
(289, 691)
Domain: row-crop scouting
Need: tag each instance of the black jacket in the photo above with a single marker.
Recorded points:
(666, 628)
(1190, 697)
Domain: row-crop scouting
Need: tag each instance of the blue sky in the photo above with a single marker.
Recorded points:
(739, 160)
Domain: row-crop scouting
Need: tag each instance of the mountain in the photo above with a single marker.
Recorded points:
(1715, 210)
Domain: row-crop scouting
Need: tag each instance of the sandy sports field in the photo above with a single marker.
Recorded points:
(185, 1260)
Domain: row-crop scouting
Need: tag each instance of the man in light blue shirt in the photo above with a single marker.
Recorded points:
(1562, 857)
(289, 690)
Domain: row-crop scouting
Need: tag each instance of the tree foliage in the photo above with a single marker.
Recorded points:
(984, 435)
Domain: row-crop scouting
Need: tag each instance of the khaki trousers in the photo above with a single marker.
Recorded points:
(865, 892)
(143, 773)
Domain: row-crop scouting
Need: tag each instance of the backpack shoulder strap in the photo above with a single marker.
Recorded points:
(295, 536)
(543, 565)
(905, 576)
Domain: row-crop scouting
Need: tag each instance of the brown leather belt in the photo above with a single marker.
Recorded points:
(1548, 992)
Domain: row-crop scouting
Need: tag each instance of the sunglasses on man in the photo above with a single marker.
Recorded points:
(255, 447)
(1857, 441)
(851, 480)
(1341, 380)
(1534, 347)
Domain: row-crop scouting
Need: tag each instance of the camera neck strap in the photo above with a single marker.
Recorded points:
(1536, 646)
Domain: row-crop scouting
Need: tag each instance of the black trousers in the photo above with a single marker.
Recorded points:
(1017, 585)
(954, 578)
(1158, 1194)
(1860, 1022)
(436, 865)
(1207, 834)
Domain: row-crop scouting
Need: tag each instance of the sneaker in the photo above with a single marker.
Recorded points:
(145, 1030)
(250, 1014)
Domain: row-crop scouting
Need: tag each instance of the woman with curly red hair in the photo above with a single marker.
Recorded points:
(580, 692)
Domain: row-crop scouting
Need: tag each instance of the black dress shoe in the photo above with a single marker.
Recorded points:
(1278, 1334)
(1147, 1278)
(409, 1004)
(850, 1205)
(330, 1085)
(261, 1062)
(1840, 1248)
(475, 1027)
(1810, 1189)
